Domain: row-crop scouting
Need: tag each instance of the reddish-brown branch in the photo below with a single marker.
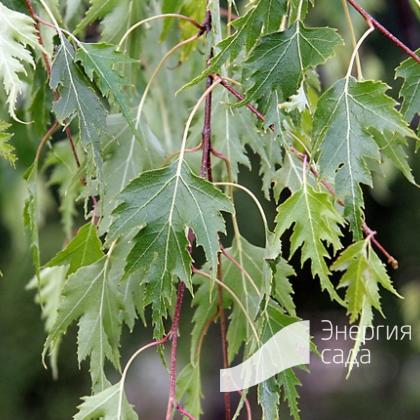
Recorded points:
(184, 412)
(174, 337)
(205, 170)
(45, 138)
(247, 406)
(371, 20)
(367, 231)
(223, 334)
(73, 146)
(39, 36)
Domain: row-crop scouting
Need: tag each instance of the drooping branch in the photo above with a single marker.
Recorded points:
(302, 156)
(371, 20)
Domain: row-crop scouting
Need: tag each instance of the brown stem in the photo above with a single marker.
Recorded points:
(73, 146)
(302, 156)
(247, 406)
(370, 19)
(45, 138)
(184, 412)
(172, 364)
(39, 36)
(223, 334)
(205, 170)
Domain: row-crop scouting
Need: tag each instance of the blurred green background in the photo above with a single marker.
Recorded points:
(389, 388)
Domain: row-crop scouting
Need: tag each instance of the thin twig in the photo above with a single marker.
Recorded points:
(45, 57)
(390, 259)
(206, 172)
(45, 138)
(184, 412)
(370, 19)
(353, 37)
(223, 333)
(73, 146)
(205, 169)
(172, 364)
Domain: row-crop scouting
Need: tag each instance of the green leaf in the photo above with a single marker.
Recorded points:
(409, 70)
(269, 399)
(280, 60)
(393, 147)
(125, 159)
(91, 296)
(50, 288)
(205, 303)
(188, 389)
(30, 215)
(84, 249)
(286, 381)
(40, 105)
(261, 16)
(248, 283)
(344, 114)
(106, 406)
(283, 290)
(77, 97)
(97, 10)
(7, 151)
(99, 60)
(363, 273)
(298, 9)
(315, 221)
(66, 177)
(17, 33)
(163, 203)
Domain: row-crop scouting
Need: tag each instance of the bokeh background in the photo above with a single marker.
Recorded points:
(389, 388)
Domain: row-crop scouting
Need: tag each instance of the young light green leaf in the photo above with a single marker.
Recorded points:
(105, 405)
(315, 221)
(163, 203)
(98, 61)
(282, 289)
(7, 151)
(279, 61)
(17, 32)
(409, 70)
(84, 249)
(289, 382)
(50, 287)
(363, 273)
(30, 215)
(91, 296)
(77, 97)
(344, 146)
